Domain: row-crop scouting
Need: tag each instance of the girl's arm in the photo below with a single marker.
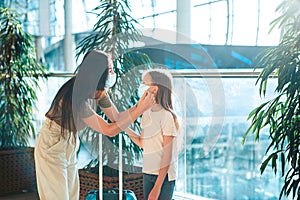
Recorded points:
(135, 137)
(111, 129)
(165, 163)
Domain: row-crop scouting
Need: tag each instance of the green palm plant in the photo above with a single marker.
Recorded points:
(19, 80)
(19, 76)
(114, 32)
(281, 115)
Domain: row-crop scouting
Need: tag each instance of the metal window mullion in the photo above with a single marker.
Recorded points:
(120, 167)
(100, 168)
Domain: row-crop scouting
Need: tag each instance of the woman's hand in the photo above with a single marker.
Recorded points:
(147, 100)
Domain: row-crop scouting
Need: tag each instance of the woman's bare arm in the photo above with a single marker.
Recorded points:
(114, 115)
(129, 116)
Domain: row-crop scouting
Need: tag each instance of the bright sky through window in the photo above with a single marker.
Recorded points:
(232, 22)
(217, 22)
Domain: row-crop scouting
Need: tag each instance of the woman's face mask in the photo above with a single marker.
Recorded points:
(111, 80)
(142, 88)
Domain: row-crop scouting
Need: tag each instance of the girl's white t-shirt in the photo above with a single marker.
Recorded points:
(155, 125)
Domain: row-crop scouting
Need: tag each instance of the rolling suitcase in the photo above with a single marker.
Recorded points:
(113, 193)
(110, 194)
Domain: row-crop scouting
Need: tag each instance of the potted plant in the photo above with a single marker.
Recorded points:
(114, 32)
(281, 115)
(19, 75)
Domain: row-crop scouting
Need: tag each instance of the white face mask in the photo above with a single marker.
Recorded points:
(142, 88)
(111, 80)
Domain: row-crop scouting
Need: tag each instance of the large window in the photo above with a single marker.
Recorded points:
(230, 22)
(213, 111)
(214, 163)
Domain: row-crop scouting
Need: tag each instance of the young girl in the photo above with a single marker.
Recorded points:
(158, 138)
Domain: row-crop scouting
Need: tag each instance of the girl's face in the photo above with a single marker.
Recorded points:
(147, 80)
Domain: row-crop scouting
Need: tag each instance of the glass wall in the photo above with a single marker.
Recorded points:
(213, 163)
(213, 111)
(230, 22)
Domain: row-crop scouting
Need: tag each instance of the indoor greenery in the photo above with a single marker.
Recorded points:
(281, 115)
(114, 32)
(19, 76)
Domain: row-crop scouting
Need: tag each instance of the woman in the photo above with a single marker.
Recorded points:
(57, 143)
(159, 138)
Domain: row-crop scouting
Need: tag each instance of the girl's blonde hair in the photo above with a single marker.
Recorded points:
(162, 78)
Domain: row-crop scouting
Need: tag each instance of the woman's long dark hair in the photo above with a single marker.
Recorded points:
(91, 76)
(61, 106)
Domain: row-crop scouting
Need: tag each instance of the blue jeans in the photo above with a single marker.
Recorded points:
(167, 188)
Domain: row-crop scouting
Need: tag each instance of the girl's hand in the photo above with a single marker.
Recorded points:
(147, 100)
(154, 194)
